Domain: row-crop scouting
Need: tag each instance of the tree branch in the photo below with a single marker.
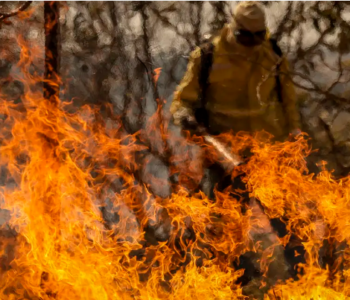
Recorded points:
(24, 6)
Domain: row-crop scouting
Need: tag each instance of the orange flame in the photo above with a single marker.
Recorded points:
(156, 74)
(60, 170)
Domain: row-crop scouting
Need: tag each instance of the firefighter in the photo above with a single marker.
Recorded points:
(245, 86)
(241, 92)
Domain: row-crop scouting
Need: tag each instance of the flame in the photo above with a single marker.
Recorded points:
(62, 166)
(156, 74)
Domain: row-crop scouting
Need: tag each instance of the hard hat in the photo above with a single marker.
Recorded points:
(249, 15)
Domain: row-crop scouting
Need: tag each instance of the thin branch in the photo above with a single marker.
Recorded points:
(166, 22)
(281, 26)
(24, 6)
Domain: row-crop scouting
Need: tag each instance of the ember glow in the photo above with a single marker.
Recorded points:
(61, 166)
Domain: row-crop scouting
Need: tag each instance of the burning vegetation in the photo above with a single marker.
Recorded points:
(83, 221)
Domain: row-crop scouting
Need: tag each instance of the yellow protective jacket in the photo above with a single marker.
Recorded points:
(242, 94)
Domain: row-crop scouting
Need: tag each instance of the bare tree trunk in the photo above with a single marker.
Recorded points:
(51, 93)
(52, 32)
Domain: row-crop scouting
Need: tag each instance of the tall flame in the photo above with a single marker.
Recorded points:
(61, 167)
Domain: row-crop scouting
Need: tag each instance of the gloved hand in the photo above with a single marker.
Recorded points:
(185, 118)
(189, 122)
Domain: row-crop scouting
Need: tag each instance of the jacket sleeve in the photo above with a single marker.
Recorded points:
(187, 93)
(289, 97)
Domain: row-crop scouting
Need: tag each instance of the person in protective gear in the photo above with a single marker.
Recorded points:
(241, 93)
(247, 89)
